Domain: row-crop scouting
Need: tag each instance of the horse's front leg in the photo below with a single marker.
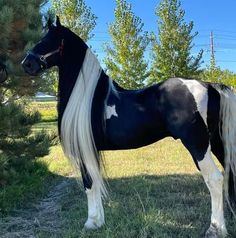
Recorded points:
(95, 207)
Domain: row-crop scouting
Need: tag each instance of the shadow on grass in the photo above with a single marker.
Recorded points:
(146, 206)
(25, 185)
(140, 206)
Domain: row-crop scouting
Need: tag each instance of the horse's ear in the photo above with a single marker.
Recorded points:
(49, 23)
(58, 23)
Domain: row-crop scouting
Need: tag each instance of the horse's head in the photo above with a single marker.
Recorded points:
(47, 52)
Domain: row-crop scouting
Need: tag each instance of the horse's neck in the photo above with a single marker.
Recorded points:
(67, 79)
(73, 57)
(92, 76)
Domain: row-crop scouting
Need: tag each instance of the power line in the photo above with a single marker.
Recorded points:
(227, 61)
(217, 30)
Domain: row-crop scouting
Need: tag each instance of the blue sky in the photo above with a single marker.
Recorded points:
(208, 15)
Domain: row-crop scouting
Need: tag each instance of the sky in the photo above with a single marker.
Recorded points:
(217, 16)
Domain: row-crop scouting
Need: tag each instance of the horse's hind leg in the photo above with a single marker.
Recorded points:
(214, 181)
(95, 207)
(196, 140)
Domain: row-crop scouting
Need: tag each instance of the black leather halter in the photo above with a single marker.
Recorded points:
(43, 58)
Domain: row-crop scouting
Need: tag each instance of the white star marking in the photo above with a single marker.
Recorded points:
(111, 111)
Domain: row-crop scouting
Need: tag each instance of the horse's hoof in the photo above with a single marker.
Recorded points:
(211, 232)
(215, 232)
(91, 225)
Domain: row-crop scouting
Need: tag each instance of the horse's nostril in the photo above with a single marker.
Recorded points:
(28, 64)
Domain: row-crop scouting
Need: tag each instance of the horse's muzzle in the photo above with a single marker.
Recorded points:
(31, 65)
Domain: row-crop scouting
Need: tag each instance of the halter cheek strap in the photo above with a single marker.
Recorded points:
(43, 58)
(59, 50)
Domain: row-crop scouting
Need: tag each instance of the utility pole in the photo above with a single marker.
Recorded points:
(213, 62)
(214, 72)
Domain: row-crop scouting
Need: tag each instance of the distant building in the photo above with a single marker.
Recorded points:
(42, 97)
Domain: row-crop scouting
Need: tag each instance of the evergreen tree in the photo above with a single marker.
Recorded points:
(125, 60)
(172, 50)
(20, 27)
(3, 72)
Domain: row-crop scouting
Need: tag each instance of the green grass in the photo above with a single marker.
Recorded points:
(155, 191)
(46, 109)
(145, 206)
(46, 126)
(48, 112)
(26, 187)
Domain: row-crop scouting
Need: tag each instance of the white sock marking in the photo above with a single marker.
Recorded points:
(95, 208)
(214, 181)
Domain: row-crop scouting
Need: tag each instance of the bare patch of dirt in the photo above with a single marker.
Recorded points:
(43, 216)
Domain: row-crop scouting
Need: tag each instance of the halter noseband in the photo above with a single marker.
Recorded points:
(42, 58)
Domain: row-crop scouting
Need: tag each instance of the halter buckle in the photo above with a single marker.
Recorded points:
(42, 58)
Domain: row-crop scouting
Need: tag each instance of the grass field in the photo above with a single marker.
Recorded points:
(47, 110)
(154, 192)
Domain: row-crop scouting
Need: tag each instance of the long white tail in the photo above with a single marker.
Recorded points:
(228, 134)
(76, 130)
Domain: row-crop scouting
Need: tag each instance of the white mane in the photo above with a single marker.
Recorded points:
(76, 130)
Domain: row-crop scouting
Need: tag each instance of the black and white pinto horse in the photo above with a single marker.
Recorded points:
(95, 114)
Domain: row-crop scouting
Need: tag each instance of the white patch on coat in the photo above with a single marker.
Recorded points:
(111, 111)
(95, 208)
(214, 181)
(200, 95)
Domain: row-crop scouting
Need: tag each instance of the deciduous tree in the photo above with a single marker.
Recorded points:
(125, 60)
(172, 56)
(76, 15)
